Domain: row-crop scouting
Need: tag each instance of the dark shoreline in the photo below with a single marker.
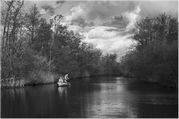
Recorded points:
(132, 80)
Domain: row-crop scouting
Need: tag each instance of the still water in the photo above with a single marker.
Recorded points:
(92, 98)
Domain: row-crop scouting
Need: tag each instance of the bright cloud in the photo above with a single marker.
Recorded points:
(110, 42)
(133, 17)
(76, 13)
(101, 32)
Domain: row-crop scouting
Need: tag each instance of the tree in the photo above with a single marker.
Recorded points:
(43, 38)
(32, 22)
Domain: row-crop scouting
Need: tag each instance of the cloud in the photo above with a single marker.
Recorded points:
(153, 8)
(75, 20)
(102, 32)
(50, 7)
(132, 17)
(102, 10)
(61, 2)
(96, 11)
(109, 41)
(117, 21)
(43, 11)
(110, 34)
(77, 17)
(76, 12)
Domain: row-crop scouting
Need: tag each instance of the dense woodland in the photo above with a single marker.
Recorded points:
(32, 53)
(155, 58)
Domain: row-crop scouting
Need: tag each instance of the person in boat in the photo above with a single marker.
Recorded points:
(66, 78)
(60, 79)
(63, 79)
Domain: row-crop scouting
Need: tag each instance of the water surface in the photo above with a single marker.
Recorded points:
(95, 97)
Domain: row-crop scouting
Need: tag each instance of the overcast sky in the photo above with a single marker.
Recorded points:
(100, 22)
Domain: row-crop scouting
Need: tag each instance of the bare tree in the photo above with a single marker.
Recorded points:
(32, 21)
(11, 24)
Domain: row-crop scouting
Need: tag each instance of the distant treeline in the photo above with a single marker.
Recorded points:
(155, 58)
(33, 53)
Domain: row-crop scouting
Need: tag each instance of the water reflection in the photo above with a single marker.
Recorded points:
(62, 91)
(111, 101)
(106, 97)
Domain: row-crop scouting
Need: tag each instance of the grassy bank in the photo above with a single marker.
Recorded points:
(35, 78)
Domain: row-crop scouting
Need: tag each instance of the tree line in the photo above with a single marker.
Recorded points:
(155, 57)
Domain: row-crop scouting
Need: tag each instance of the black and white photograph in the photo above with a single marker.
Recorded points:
(89, 59)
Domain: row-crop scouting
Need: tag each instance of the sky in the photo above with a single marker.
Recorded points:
(106, 24)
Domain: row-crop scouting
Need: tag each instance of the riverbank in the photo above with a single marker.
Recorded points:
(20, 83)
(41, 78)
(35, 78)
(12, 83)
(165, 83)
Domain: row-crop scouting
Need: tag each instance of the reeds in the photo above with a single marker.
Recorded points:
(11, 82)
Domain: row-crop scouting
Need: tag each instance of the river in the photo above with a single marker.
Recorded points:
(90, 98)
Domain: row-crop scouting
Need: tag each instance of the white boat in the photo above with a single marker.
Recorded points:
(63, 84)
(63, 81)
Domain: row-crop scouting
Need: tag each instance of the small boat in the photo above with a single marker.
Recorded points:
(63, 84)
(63, 81)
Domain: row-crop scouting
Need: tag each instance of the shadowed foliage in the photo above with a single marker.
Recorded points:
(156, 55)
